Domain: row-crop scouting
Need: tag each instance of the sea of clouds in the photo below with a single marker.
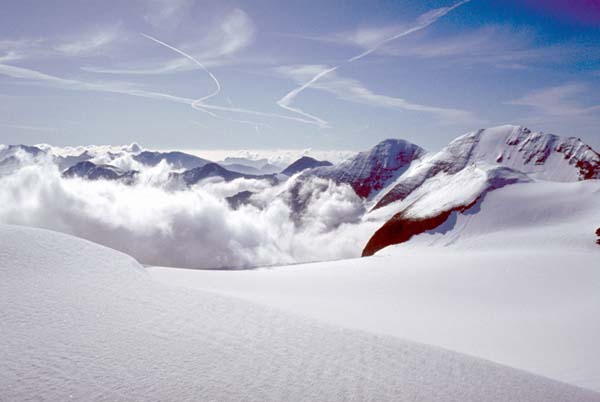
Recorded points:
(195, 227)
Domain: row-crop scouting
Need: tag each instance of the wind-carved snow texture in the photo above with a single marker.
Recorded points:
(513, 280)
(82, 322)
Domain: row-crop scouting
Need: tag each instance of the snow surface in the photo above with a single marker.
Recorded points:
(516, 280)
(539, 155)
(83, 322)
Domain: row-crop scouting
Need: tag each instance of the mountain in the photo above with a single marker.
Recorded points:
(193, 176)
(455, 179)
(65, 162)
(91, 171)
(7, 151)
(370, 171)
(249, 166)
(179, 160)
(212, 169)
(542, 156)
(306, 162)
(240, 168)
(430, 205)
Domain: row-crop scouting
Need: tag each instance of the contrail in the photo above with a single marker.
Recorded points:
(199, 104)
(184, 54)
(424, 21)
(287, 99)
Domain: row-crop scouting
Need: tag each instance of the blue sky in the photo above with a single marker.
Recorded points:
(295, 74)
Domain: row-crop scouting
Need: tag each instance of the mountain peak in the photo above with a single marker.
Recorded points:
(305, 162)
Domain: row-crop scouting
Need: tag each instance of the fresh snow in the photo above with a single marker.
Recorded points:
(85, 323)
(515, 281)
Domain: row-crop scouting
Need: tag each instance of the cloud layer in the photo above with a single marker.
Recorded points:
(194, 227)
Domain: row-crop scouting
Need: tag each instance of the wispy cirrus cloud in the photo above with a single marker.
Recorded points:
(376, 42)
(501, 46)
(352, 90)
(124, 88)
(557, 101)
(90, 43)
(166, 12)
(235, 32)
(28, 127)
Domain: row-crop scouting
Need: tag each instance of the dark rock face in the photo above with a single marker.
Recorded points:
(589, 170)
(401, 227)
(306, 162)
(91, 171)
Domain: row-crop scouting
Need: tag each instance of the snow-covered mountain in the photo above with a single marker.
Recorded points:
(542, 156)
(398, 182)
(91, 171)
(370, 171)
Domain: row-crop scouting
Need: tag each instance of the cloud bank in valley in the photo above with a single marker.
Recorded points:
(195, 227)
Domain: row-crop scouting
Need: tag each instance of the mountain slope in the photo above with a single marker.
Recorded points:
(305, 162)
(179, 160)
(370, 171)
(85, 323)
(193, 176)
(515, 280)
(91, 171)
(543, 156)
(431, 204)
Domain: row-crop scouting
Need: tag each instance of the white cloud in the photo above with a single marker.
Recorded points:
(129, 89)
(234, 33)
(501, 46)
(166, 12)
(91, 43)
(354, 91)
(422, 22)
(557, 101)
(189, 228)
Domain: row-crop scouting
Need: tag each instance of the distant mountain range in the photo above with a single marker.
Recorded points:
(418, 189)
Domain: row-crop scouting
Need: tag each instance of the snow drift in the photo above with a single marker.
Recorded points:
(82, 322)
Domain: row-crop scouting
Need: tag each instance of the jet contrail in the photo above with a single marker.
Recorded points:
(199, 104)
(184, 54)
(424, 21)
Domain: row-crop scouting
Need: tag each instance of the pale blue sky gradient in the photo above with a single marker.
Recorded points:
(76, 72)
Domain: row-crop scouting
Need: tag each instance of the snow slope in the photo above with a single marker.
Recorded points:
(515, 281)
(370, 171)
(83, 322)
(542, 156)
